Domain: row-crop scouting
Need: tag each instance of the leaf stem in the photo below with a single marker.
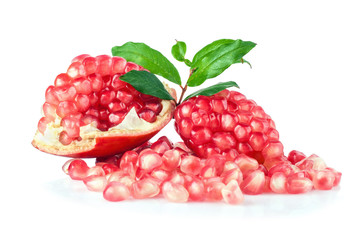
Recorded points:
(183, 90)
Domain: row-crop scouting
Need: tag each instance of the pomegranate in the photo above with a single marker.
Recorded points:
(90, 112)
(227, 121)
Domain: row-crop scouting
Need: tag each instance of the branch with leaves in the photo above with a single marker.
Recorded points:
(207, 63)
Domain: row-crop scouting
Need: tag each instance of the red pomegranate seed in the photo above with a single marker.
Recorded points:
(145, 188)
(116, 191)
(131, 66)
(185, 110)
(305, 164)
(90, 65)
(124, 96)
(76, 70)
(177, 177)
(273, 149)
(185, 126)
(208, 172)
(149, 160)
(65, 93)
(148, 115)
(285, 168)
(278, 182)
(95, 171)
(196, 189)
(66, 165)
(154, 105)
(296, 185)
(254, 183)
(50, 96)
(66, 108)
(246, 163)
(190, 165)
(224, 140)
(78, 169)
(231, 193)
(229, 165)
(200, 135)
(242, 132)
(96, 82)
(203, 103)
(171, 159)
(118, 65)
(257, 141)
(95, 183)
(323, 180)
(214, 189)
(296, 156)
(129, 156)
(160, 147)
(200, 118)
(219, 105)
(319, 163)
(43, 124)
(233, 174)
(106, 97)
(80, 58)
(109, 168)
(104, 65)
(65, 139)
(82, 102)
(259, 125)
(71, 126)
(174, 192)
(62, 80)
(160, 174)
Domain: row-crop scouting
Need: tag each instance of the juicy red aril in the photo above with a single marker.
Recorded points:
(190, 165)
(95, 183)
(296, 156)
(232, 193)
(116, 191)
(254, 183)
(145, 188)
(149, 160)
(148, 115)
(196, 189)
(78, 169)
(62, 80)
(323, 180)
(175, 192)
(296, 185)
(278, 182)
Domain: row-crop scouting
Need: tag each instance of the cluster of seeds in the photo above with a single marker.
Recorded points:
(174, 171)
(90, 92)
(227, 121)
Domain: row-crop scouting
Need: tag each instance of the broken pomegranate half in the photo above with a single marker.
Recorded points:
(90, 112)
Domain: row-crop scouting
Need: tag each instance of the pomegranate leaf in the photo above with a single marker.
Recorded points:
(149, 58)
(215, 58)
(209, 91)
(178, 51)
(146, 83)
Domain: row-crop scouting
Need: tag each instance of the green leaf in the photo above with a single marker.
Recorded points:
(209, 91)
(146, 83)
(178, 51)
(208, 49)
(149, 58)
(216, 58)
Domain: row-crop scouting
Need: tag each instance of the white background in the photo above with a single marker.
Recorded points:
(305, 75)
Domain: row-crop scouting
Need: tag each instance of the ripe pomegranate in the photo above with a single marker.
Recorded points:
(90, 112)
(229, 124)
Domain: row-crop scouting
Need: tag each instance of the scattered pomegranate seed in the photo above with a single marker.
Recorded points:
(175, 192)
(116, 191)
(180, 176)
(232, 193)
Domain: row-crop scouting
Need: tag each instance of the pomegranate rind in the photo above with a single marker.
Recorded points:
(100, 144)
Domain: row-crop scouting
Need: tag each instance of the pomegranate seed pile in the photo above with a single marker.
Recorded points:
(179, 175)
(90, 92)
